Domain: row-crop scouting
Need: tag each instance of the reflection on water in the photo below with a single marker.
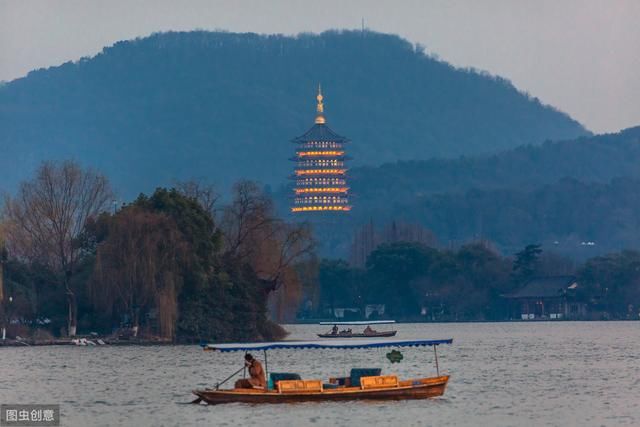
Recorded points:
(503, 374)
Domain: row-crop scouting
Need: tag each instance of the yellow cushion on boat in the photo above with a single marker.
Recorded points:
(299, 386)
(382, 381)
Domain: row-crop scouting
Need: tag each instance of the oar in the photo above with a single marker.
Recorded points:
(229, 377)
(199, 399)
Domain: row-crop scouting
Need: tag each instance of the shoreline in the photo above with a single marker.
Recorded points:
(317, 321)
(155, 342)
(69, 342)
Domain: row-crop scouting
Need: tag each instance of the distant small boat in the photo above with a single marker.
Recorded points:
(367, 333)
(374, 334)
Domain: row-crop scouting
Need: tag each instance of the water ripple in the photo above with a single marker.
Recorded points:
(503, 374)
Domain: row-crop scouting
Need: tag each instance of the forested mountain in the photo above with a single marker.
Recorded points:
(578, 197)
(589, 159)
(569, 216)
(224, 106)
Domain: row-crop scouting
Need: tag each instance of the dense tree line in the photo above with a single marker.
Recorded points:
(408, 277)
(172, 264)
(237, 99)
(179, 265)
(417, 282)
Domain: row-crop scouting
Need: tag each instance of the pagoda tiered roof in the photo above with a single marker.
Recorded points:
(320, 133)
(320, 171)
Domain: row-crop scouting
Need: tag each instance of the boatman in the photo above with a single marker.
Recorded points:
(257, 377)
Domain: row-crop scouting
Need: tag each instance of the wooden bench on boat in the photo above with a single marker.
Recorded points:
(382, 381)
(299, 386)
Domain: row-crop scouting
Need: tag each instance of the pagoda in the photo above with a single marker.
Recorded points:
(320, 174)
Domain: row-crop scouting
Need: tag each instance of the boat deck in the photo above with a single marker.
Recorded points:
(372, 388)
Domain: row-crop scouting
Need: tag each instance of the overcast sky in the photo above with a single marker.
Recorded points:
(582, 56)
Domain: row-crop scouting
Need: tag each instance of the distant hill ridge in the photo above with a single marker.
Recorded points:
(599, 158)
(224, 106)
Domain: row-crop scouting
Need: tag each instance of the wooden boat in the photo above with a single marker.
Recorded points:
(375, 334)
(421, 388)
(367, 333)
(368, 387)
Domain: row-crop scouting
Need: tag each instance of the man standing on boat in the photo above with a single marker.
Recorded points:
(256, 372)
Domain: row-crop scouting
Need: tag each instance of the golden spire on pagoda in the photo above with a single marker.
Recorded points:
(320, 109)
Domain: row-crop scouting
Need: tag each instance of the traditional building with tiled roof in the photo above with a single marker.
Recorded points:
(551, 297)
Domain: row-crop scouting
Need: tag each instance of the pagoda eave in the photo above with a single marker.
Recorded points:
(321, 209)
(304, 158)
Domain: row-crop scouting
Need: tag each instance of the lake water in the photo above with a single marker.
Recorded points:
(502, 374)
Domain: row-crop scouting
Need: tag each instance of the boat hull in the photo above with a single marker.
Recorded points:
(412, 389)
(371, 335)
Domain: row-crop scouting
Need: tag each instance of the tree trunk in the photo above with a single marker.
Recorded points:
(72, 320)
(1, 281)
(3, 318)
(135, 321)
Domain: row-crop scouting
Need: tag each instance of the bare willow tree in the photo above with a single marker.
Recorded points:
(282, 246)
(47, 216)
(139, 266)
(367, 238)
(205, 194)
(3, 259)
(256, 236)
(278, 257)
(249, 216)
(3, 256)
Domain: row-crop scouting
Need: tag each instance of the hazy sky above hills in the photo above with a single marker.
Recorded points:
(582, 56)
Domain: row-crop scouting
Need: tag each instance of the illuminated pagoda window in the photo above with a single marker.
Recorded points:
(320, 174)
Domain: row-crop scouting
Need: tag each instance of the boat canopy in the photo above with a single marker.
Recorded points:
(361, 322)
(325, 344)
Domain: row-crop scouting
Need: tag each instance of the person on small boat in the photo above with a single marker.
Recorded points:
(256, 372)
(334, 330)
(369, 331)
